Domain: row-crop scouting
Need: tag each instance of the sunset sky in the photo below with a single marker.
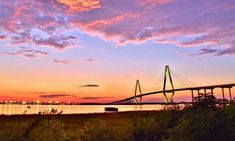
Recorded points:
(95, 50)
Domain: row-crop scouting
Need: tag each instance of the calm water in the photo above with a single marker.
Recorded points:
(12, 109)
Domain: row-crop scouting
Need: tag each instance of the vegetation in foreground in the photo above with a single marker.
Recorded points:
(192, 124)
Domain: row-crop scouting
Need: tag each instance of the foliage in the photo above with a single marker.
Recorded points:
(205, 102)
(190, 124)
(47, 129)
(202, 124)
(12, 128)
(97, 130)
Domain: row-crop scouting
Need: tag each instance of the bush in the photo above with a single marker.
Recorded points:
(202, 125)
(48, 129)
(99, 130)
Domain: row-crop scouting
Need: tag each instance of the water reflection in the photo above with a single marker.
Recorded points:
(13, 109)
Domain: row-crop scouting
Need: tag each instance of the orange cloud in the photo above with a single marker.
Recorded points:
(81, 5)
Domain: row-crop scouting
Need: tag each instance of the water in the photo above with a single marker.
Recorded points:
(14, 109)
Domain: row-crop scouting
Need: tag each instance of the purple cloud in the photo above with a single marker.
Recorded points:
(59, 42)
(35, 23)
(61, 61)
(181, 22)
(90, 60)
(27, 53)
(208, 51)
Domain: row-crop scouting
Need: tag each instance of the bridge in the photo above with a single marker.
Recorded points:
(194, 91)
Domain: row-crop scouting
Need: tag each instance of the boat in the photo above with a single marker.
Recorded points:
(111, 109)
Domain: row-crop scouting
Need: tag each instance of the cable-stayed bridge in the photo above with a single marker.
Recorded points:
(195, 91)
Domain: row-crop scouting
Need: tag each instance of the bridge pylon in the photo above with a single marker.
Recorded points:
(166, 76)
(137, 89)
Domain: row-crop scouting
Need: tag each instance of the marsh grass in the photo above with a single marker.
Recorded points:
(185, 125)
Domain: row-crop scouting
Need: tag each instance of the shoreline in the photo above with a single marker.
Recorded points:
(86, 114)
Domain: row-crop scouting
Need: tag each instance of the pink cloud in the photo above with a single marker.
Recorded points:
(204, 22)
(2, 37)
(35, 23)
(167, 20)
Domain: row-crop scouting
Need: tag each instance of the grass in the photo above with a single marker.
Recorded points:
(188, 125)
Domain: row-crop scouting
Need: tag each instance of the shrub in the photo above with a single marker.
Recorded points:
(201, 125)
(97, 130)
(48, 129)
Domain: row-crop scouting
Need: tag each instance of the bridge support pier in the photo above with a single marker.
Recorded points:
(205, 94)
(223, 93)
(212, 92)
(230, 94)
(198, 94)
(192, 96)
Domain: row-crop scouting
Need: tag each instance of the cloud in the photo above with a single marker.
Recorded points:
(61, 61)
(80, 5)
(2, 37)
(95, 98)
(230, 51)
(59, 42)
(217, 52)
(89, 86)
(26, 53)
(90, 60)
(35, 23)
(53, 95)
(207, 51)
(184, 22)
(181, 22)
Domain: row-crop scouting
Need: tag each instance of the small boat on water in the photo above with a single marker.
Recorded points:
(111, 109)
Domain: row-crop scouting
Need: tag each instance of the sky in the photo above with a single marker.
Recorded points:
(95, 50)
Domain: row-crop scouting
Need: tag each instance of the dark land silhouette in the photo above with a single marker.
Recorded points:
(208, 119)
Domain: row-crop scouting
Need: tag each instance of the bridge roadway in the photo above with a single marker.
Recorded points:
(211, 87)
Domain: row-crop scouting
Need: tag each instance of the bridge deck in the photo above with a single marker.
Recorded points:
(180, 89)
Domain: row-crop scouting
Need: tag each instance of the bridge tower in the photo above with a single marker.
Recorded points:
(166, 76)
(137, 89)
